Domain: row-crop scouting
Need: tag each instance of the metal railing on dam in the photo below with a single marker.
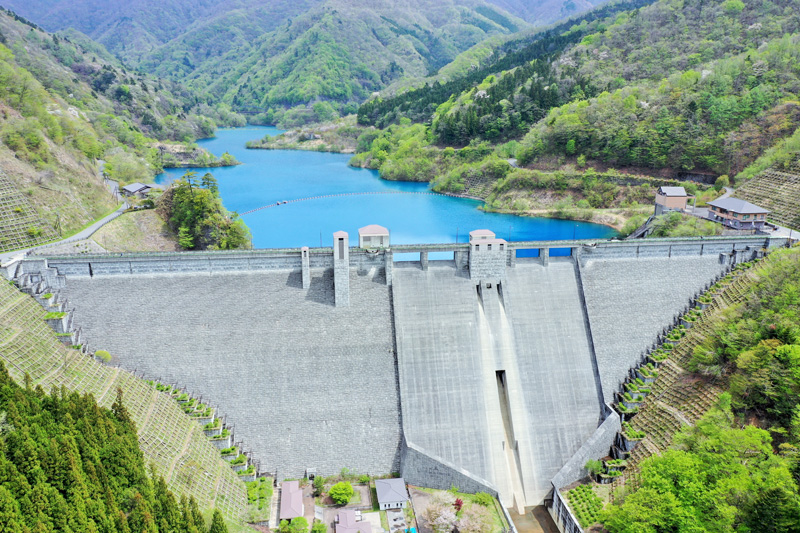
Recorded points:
(442, 247)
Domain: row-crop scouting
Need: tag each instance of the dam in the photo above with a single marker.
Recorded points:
(488, 370)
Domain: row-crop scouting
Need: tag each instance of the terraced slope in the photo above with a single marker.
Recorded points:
(680, 397)
(20, 225)
(778, 191)
(170, 440)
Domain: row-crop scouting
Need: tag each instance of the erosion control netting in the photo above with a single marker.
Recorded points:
(20, 225)
(170, 440)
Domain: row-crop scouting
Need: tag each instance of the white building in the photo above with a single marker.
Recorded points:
(392, 493)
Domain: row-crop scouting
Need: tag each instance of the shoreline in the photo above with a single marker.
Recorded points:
(602, 217)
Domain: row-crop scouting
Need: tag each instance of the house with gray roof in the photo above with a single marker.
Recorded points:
(392, 493)
(136, 189)
(737, 214)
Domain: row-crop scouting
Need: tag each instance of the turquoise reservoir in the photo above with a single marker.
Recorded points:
(331, 198)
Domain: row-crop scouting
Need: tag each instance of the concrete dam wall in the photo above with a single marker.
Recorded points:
(488, 371)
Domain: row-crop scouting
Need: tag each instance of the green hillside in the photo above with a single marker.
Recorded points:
(69, 465)
(620, 88)
(546, 11)
(333, 57)
(63, 107)
(171, 442)
(720, 433)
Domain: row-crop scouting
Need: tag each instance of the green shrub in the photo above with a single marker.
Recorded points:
(482, 498)
(341, 492)
(103, 355)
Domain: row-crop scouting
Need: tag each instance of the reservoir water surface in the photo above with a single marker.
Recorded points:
(326, 186)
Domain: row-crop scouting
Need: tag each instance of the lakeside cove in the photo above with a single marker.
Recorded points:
(267, 177)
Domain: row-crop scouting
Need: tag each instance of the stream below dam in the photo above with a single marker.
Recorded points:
(324, 195)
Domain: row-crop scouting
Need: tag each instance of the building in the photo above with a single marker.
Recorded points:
(392, 493)
(481, 235)
(349, 521)
(291, 500)
(737, 214)
(670, 199)
(136, 189)
(373, 236)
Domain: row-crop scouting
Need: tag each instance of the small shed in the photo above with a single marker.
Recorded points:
(670, 199)
(392, 493)
(373, 236)
(349, 521)
(136, 189)
(481, 235)
(291, 500)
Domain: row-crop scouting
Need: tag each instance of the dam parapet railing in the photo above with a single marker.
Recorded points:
(365, 259)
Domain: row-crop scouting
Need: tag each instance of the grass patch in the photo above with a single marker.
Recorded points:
(54, 315)
(259, 498)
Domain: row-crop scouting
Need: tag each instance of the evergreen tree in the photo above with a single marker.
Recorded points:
(217, 523)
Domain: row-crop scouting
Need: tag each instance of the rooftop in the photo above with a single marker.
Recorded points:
(340, 235)
(348, 524)
(291, 500)
(373, 229)
(481, 233)
(136, 187)
(391, 490)
(672, 191)
(737, 206)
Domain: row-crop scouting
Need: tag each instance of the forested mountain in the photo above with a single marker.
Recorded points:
(68, 465)
(619, 87)
(131, 29)
(541, 12)
(339, 53)
(62, 106)
(269, 57)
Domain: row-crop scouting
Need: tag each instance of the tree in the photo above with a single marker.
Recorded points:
(319, 485)
(341, 492)
(185, 239)
(218, 523)
(475, 519)
(319, 527)
(299, 525)
(439, 514)
(594, 466)
(208, 181)
(722, 182)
